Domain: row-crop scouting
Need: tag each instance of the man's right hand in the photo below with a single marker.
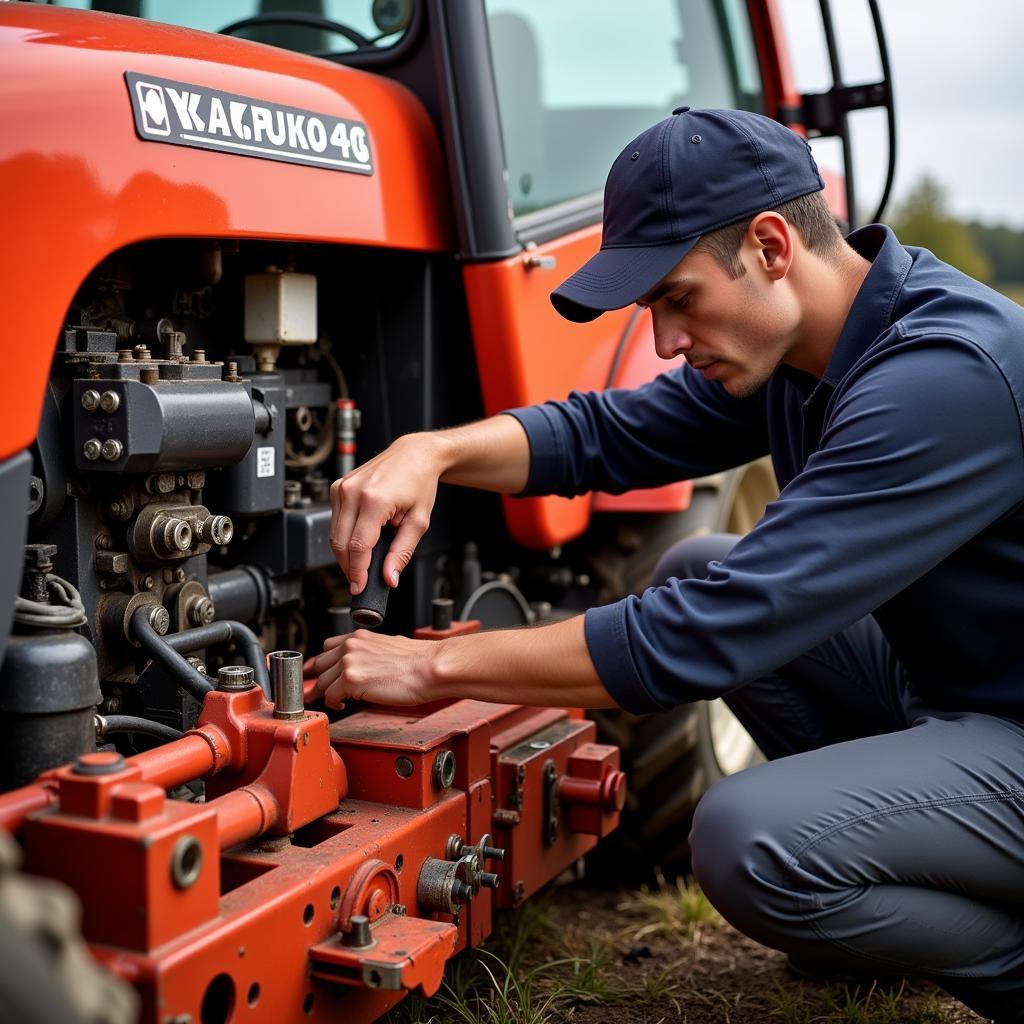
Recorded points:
(399, 486)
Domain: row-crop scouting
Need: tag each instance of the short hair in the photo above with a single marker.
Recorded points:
(809, 214)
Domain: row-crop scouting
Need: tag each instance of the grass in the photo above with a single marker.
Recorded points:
(841, 1005)
(672, 909)
(537, 969)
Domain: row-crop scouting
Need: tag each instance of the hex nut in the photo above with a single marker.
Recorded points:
(110, 401)
(92, 449)
(90, 400)
(112, 449)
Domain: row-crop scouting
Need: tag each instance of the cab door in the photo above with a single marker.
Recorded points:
(541, 97)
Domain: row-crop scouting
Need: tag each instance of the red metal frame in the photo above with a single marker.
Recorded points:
(248, 899)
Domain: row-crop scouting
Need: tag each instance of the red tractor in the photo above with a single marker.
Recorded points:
(248, 245)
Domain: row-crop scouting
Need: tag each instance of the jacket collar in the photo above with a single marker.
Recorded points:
(871, 312)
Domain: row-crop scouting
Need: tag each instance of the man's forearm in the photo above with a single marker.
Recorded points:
(492, 455)
(548, 666)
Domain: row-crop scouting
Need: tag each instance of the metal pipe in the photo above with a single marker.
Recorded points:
(286, 683)
(176, 763)
(108, 724)
(193, 682)
(241, 593)
(244, 814)
(220, 633)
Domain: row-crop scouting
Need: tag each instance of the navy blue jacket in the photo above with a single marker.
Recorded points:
(902, 477)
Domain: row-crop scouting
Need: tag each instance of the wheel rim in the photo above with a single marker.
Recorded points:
(754, 490)
(733, 746)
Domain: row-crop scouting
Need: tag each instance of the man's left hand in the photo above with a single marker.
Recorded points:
(369, 666)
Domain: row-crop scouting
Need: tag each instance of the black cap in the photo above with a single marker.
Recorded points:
(690, 174)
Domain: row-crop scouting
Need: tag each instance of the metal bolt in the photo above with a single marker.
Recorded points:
(160, 619)
(147, 583)
(124, 355)
(111, 561)
(358, 935)
(199, 356)
(197, 663)
(233, 678)
(489, 880)
(441, 611)
(112, 449)
(201, 611)
(92, 449)
(110, 401)
(90, 400)
(292, 493)
(141, 352)
(149, 375)
(120, 508)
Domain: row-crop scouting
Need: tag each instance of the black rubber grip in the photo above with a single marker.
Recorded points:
(369, 606)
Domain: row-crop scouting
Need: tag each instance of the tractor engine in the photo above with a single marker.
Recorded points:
(229, 845)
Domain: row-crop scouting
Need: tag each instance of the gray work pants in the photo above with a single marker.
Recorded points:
(882, 836)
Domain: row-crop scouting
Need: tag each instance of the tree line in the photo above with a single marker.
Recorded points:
(993, 253)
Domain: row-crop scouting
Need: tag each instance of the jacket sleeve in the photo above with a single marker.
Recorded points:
(918, 455)
(675, 427)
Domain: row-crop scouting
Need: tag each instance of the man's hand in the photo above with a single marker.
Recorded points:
(368, 666)
(399, 486)
(548, 666)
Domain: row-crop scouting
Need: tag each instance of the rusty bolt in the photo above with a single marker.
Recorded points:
(92, 449)
(40, 556)
(90, 400)
(201, 611)
(149, 375)
(160, 619)
(111, 561)
(141, 352)
(124, 355)
(120, 508)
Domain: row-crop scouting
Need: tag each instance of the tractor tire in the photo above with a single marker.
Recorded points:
(671, 758)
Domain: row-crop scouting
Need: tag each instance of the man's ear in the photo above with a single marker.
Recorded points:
(771, 237)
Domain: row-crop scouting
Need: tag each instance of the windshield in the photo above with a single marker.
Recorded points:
(323, 27)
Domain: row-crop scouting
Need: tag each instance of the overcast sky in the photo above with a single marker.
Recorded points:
(958, 72)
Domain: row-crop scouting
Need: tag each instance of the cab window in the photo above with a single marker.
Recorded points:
(576, 80)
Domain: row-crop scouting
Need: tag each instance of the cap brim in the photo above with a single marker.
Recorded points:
(614, 278)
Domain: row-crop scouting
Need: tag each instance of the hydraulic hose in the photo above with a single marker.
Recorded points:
(193, 682)
(108, 724)
(219, 633)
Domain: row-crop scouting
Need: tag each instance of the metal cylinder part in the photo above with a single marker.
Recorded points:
(231, 678)
(370, 604)
(286, 684)
(216, 530)
(172, 536)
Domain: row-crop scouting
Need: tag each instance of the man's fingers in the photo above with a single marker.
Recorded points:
(407, 536)
(365, 535)
(344, 511)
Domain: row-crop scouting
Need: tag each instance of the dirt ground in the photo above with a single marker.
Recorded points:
(717, 976)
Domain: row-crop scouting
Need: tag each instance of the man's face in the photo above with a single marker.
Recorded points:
(735, 331)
